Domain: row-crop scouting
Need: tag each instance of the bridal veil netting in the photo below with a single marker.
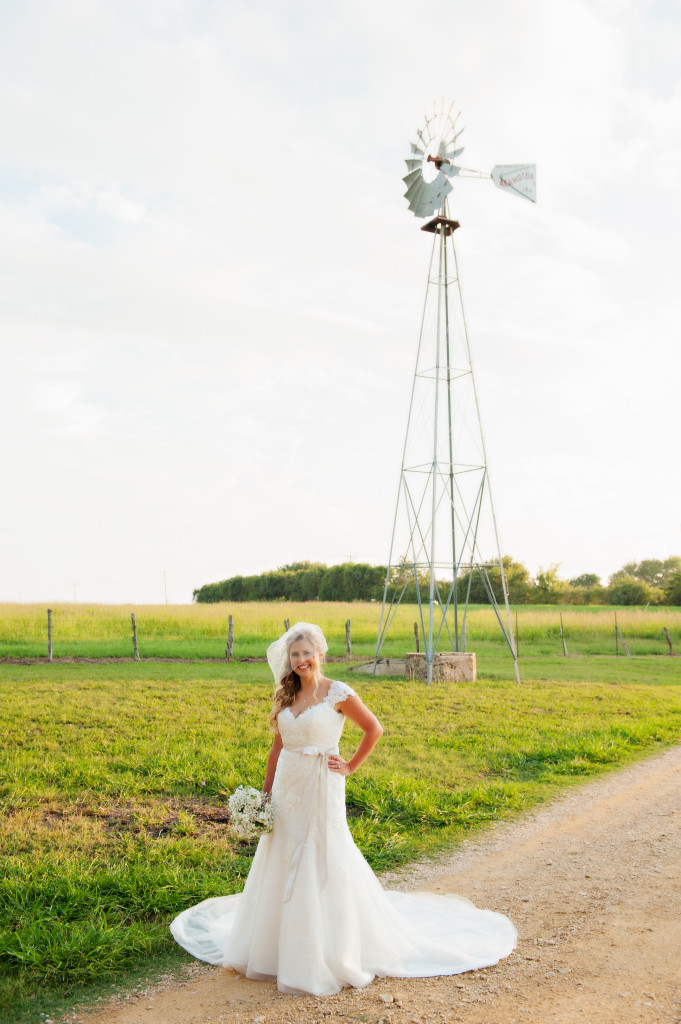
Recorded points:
(312, 914)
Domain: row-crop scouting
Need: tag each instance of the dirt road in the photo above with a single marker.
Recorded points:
(593, 883)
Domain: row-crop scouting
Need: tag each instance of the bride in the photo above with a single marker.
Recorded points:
(312, 914)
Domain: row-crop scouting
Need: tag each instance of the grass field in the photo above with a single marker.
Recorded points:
(200, 631)
(113, 779)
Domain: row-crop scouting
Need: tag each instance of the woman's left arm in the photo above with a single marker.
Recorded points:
(359, 713)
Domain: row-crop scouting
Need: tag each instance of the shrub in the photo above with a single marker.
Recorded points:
(672, 588)
(628, 590)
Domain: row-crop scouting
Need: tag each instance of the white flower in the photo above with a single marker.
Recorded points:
(250, 812)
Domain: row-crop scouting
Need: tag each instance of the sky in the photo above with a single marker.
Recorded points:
(211, 285)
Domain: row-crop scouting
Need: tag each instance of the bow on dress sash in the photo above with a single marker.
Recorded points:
(319, 786)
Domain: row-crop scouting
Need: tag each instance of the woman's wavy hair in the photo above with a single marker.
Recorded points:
(289, 684)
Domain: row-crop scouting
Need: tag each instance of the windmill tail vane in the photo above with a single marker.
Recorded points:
(520, 179)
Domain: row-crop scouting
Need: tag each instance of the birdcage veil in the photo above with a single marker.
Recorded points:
(278, 652)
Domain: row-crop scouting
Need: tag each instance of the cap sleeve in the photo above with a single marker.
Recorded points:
(338, 692)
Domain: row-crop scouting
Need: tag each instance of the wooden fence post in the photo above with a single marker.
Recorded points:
(230, 640)
(49, 634)
(348, 642)
(617, 650)
(416, 636)
(135, 651)
(562, 636)
(287, 625)
(669, 641)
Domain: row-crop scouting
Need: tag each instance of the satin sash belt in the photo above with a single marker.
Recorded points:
(319, 787)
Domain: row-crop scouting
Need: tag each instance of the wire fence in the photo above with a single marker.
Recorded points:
(54, 636)
(102, 632)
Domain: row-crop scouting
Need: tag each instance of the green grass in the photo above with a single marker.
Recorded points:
(200, 631)
(113, 781)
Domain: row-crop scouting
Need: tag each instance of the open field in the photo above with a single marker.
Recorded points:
(200, 631)
(113, 781)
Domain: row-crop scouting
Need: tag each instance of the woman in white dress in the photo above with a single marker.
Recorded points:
(312, 914)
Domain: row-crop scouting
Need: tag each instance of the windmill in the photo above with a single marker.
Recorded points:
(445, 528)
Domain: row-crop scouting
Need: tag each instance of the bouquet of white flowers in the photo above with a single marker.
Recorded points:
(250, 812)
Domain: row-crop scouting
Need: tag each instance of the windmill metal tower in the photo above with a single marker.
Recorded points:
(445, 528)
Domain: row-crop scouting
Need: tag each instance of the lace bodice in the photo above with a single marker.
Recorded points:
(319, 726)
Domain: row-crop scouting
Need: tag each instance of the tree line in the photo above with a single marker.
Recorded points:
(651, 581)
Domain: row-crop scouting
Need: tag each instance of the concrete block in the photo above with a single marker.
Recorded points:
(448, 667)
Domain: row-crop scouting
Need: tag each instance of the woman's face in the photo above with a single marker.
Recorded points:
(303, 657)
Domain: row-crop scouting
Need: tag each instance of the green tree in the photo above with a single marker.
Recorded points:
(356, 581)
(587, 579)
(294, 567)
(672, 588)
(517, 580)
(627, 590)
(653, 571)
(549, 588)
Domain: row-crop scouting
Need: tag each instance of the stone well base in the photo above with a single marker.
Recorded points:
(448, 667)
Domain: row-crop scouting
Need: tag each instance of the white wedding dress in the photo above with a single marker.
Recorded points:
(312, 914)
